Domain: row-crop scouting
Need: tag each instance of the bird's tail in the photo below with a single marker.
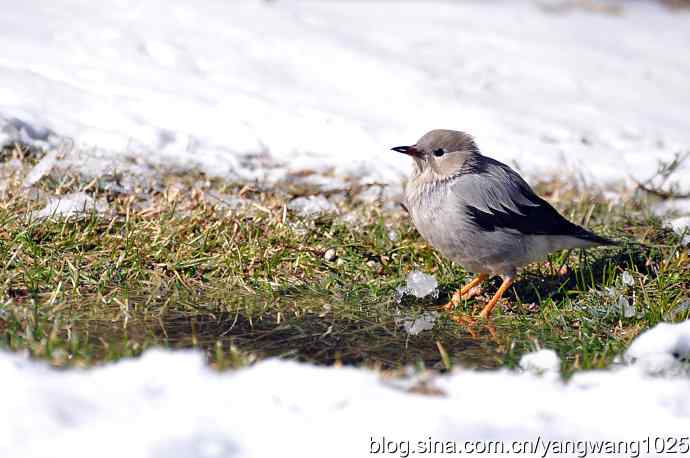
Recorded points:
(594, 239)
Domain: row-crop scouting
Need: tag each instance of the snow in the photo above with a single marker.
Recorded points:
(680, 225)
(626, 307)
(73, 204)
(540, 362)
(255, 89)
(170, 404)
(627, 278)
(311, 206)
(41, 169)
(419, 285)
(663, 349)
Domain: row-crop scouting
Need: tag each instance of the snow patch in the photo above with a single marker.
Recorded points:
(627, 278)
(680, 225)
(664, 349)
(74, 204)
(44, 166)
(541, 362)
(311, 206)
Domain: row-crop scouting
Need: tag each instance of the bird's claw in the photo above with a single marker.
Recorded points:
(461, 295)
(472, 292)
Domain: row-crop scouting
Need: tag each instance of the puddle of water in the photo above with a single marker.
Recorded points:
(319, 327)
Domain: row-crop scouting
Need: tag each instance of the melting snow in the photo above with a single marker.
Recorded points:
(541, 362)
(419, 285)
(74, 204)
(626, 307)
(393, 235)
(311, 206)
(680, 225)
(627, 278)
(41, 169)
(662, 350)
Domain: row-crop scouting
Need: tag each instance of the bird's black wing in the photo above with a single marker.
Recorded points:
(495, 197)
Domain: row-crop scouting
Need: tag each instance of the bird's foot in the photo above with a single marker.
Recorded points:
(485, 313)
(466, 292)
(488, 308)
(472, 292)
(452, 303)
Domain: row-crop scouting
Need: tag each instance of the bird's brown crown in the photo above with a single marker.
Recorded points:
(448, 140)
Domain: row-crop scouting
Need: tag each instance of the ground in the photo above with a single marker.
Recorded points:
(244, 273)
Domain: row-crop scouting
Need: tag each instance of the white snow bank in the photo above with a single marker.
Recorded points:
(257, 88)
(170, 405)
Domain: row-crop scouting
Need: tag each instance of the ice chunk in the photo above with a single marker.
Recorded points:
(662, 350)
(419, 285)
(680, 225)
(541, 362)
(424, 323)
(626, 307)
(392, 235)
(229, 202)
(627, 278)
(69, 205)
(370, 195)
(41, 169)
(311, 206)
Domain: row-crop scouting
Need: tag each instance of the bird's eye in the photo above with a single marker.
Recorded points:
(439, 152)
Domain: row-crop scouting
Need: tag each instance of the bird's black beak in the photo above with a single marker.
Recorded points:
(409, 150)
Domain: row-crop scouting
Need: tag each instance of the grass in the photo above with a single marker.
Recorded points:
(178, 261)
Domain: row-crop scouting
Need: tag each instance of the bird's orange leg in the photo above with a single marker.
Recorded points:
(486, 311)
(461, 293)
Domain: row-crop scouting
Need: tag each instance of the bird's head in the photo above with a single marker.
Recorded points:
(442, 152)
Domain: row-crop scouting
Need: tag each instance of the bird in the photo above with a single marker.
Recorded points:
(481, 214)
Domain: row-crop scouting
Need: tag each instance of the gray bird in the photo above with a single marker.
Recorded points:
(481, 214)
